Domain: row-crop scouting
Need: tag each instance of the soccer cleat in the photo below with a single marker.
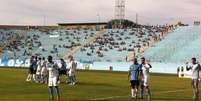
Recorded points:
(195, 98)
(73, 83)
(28, 80)
(51, 98)
(132, 97)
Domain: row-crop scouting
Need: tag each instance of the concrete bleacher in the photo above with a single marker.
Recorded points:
(178, 47)
(55, 42)
(110, 47)
(6, 35)
(84, 44)
(116, 44)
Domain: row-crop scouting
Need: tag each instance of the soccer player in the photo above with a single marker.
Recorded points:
(38, 71)
(34, 64)
(53, 78)
(44, 72)
(62, 69)
(31, 70)
(195, 67)
(133, 76)
(145, 66)
(72, 70)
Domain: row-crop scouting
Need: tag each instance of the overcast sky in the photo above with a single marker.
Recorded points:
(33, 12)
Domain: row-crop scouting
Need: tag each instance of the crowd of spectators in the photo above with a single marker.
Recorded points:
(58, 42)
(123, 41)
(43, 43)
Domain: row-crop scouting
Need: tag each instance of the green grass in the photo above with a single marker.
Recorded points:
(92, 84)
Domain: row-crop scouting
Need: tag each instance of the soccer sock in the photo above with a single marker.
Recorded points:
(57, 91)
(132, 92)
(42, 79)
(196, 92)
(51, 92)
(136, 91)
(73, 78)
(34, 77)
(142, 92)
(148, 91)
(29, 77)
(58, 79)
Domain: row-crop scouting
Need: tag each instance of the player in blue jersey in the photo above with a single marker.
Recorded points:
(133, 76)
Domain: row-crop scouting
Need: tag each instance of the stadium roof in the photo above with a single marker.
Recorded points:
(90, 23)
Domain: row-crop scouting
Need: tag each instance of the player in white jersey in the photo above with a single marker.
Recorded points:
(145, 66)
(38, 70)
(44, 72)
(195, 67)
(72, 70)
(53, 78)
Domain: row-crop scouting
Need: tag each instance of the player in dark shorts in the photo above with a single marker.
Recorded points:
(34, 65)
(133, 76)
(62, 69)
(31, 70)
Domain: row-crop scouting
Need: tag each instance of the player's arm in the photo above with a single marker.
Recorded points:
(140, 74)
(188, 67)
(148, 66)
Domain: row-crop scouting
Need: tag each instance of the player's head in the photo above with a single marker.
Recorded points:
(39, 58)
(135, 61)
(49, 58)
(62, 60)
(70, 58)
(43, 58)
(36, 58)
(143, 60)
(193, 60)
(32, 57)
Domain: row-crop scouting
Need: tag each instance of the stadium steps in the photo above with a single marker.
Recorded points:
(177, 47)
(90, 40)
(153, 41)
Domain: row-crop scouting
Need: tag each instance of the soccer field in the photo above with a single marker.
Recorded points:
(93, 85)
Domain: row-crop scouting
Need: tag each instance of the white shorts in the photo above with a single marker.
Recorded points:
(53, 81)
(146, 81)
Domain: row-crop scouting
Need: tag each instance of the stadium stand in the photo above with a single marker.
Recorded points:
(85, 44)
(116, 44)
(177, 47)
(41, 43)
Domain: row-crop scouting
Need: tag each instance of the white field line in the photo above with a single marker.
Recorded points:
(161, 92)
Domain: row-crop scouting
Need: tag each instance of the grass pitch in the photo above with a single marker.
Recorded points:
(93, 85)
